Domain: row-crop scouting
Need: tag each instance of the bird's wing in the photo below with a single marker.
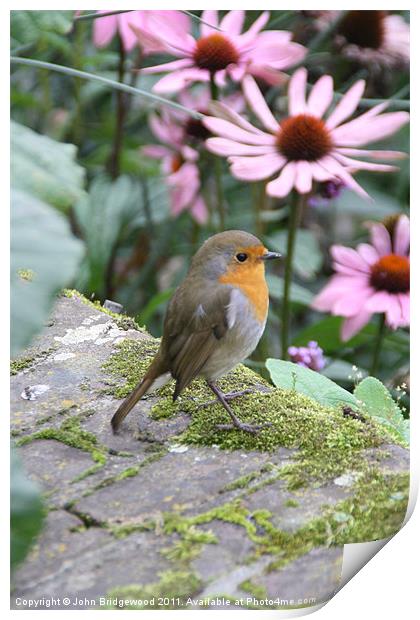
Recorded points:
(192, 331)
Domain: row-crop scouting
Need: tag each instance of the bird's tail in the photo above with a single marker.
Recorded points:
(155, 371)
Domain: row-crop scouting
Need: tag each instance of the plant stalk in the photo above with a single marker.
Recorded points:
(114, 163)
(214, 92)
(379, 338)
(296, 207)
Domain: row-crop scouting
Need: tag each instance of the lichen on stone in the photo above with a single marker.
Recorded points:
(122, 320)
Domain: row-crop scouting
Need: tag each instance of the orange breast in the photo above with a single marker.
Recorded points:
(250, 279)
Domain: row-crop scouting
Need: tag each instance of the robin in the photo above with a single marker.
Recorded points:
(214, 320)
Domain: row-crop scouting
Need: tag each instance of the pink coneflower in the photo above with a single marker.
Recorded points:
(372, 278)
(105, 28)
(223, 53)
(303, 146)
(374, 38)
(311, 356)
(179, 165)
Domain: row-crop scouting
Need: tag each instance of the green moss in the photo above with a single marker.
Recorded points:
(172, 585)
(71, 434)
(256, 590)
(21, 363)
(122, 320)
(291, 503)
(376, 510)
(130, 362)
(327, 442)
(26, 274)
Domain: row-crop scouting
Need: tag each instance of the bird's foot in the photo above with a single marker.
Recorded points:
(243, 426)
(229, 396)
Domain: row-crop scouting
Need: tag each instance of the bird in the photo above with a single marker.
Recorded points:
(213, 322)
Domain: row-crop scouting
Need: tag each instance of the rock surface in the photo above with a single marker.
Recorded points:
(113, 500)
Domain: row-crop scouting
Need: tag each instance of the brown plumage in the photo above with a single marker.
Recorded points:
(208, 327)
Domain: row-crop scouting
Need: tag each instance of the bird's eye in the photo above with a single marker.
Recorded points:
(241, 257)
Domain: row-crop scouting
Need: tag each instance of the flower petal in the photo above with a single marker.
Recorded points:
(256, 168)
(180, 79)
(281, 186)
(361, 131)
(233, 22)
(128, 36)
(104, 29)
(321, 96)
(402, 236)
(199, 210)
(394, 316)
(353, 302)
(155, 151)
(371, 154)
(173, 65)
(247, 37)
(404, 299)
(267, 74)
(221, 110)
(351, 326)
(224, 129)
(355, 164)
(381, 239)
(303, 182)
(336, 169)
(368, 253)
(211, 17)
(226, 148)
(379, 302)
(297, 86)
(347, 105)
(349, 258)
(258, 105)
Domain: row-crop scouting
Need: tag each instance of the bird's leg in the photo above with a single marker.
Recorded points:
(236, 423)
(229, 396)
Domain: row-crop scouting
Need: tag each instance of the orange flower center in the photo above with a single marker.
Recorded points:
(176, 163)
(215, 52)
(391, 273)
(303, 137)
(363, 28)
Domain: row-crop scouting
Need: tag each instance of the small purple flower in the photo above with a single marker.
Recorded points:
(311, 356)
(326, 191)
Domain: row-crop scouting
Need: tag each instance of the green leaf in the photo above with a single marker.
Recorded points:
(298, 294)
(307, 258)
(107, 215)
(149, 310)
(45, 168)
(382, 205)
(291, 376)
(31, 26)
(377, 402)
(41, 241)
(340, 370)
(327, 334)
(26, 511)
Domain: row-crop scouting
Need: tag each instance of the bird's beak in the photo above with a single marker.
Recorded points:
(271, 256)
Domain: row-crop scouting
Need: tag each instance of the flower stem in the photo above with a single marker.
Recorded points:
(296, 206)
(115, 157)
(378, 345)
(214, 92)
